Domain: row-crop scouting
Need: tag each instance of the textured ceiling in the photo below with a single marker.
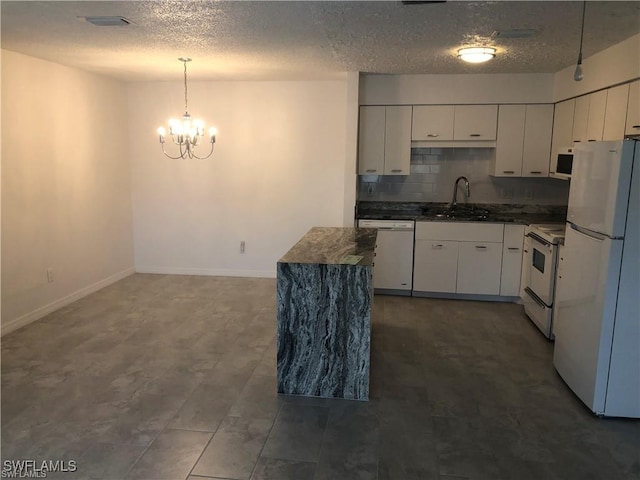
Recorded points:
(307, 39)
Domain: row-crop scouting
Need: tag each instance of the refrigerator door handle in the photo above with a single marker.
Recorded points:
(591, 233)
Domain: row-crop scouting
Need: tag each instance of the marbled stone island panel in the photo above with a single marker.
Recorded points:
(324, 318)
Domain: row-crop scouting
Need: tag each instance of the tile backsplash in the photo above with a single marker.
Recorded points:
(434, 171)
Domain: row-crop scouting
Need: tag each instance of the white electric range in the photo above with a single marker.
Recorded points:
(539, 265)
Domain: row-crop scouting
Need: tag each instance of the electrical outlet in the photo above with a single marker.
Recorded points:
(370, 189)
(506, 193)
(50, 275)
(242, 245)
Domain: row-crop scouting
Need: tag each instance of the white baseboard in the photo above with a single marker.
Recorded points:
(40, 312)
(207, 272)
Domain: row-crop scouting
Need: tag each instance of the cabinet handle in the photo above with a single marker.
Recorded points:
(535, 173)
(591, 140)
(475, 135)
(396, 170)
(513, 249)
(577, 141)
(371, 170)
(481, 247)
(635, 126)
(433, 135)
(509, 171)
(437, 245)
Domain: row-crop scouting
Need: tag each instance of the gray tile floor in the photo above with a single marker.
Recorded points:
(174, 377)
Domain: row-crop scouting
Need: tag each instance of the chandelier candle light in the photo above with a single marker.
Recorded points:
(187, 133)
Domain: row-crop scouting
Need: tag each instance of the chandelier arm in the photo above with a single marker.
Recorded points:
(167, 155)
(204, 158)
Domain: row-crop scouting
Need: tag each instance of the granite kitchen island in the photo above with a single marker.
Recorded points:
(324, 295)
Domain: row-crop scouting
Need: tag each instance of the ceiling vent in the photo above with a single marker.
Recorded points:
(112, 21)
(515, 33)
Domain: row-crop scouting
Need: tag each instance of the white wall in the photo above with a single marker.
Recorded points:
(617, 64)
(66, 190)
(452, 89)
(278, 170)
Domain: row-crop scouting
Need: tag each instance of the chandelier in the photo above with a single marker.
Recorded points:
(186, 133)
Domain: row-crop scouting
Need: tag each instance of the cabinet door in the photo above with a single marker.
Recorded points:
(475, 122)
(562, 127)
(397, 140)
(479, 268)
(511, 260)
(371, 141)
(511, 122)
(435, 266)
(615, 113)
(537, 141)
(432, 123)
(595, 123)
(581, 119)
(633, 110)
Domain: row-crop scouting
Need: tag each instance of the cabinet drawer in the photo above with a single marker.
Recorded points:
(460, 231)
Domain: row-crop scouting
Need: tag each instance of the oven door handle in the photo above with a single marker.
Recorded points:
(538, 239)
(535, 298)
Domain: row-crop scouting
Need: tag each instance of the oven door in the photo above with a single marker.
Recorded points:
(541, 268)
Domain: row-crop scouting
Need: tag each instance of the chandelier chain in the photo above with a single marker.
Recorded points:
(186, 110)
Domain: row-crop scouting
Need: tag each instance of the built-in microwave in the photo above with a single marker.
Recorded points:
(562, 164)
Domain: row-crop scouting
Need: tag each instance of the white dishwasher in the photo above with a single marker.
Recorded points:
(393, 267)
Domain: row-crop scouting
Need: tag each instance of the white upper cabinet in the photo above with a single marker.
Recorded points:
(384, 144)
(397, 141)
(633, 110)
(371, 141)
(475, 122)
(537, 140)
(524, 140)
(562, 127)
(580, 119)
(448, 125)
(432, 123)
(597, 109)
(510, 140)
(615, 113)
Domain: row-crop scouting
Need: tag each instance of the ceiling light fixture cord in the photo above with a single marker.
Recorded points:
(577, 75)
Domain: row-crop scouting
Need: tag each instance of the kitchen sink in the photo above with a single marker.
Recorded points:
(460, 213)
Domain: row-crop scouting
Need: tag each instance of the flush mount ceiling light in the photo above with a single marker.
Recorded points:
(577, 75)
(187, 133)
(476, 54)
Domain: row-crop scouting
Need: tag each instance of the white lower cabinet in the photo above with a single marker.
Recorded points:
(511, 260)
(479, 266)
(435, 256)
(464, 258)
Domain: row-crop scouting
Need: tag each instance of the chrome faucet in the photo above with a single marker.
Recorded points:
(454, 202)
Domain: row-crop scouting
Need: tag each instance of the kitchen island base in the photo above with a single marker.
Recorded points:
(324, 314)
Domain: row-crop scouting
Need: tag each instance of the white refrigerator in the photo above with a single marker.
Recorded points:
(597, 328)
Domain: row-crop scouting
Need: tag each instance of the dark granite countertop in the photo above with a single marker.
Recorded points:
(440, 212)
(330, 246)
